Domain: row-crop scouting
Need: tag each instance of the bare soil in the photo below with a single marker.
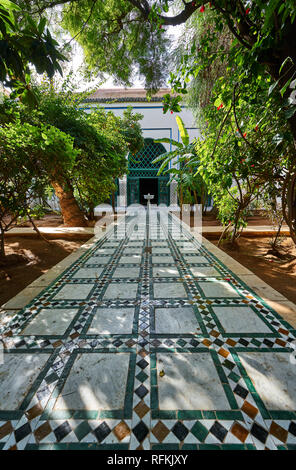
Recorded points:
(27, 259)
(279, 273)
(210, 220)
(49, 220)
(52, 220)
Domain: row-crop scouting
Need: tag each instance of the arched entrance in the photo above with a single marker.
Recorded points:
(142, 177)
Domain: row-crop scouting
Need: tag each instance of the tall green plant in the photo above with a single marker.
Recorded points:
(190, 185)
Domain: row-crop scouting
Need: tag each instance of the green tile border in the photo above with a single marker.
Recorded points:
(203, 333)
(273, 332)
(125, 413)
(238, 279)
(133, 334)
(191, 414)
(266, 413)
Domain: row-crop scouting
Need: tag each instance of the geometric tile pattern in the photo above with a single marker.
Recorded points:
(147, 341)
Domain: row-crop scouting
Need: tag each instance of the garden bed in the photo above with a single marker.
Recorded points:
(280, 274)
(210, 220)
(53, 220)
(34, 258)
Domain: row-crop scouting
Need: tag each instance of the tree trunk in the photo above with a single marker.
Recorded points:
(288, 50)
(223, 233)
(91, 212)
(234, 232)
(181, 200)
(2, 246)
(72, 215)
(113, 202)
(195, 197)
(274, 242)
(291, 201)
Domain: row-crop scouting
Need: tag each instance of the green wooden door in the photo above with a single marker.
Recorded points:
(133, 191)
(163, 191)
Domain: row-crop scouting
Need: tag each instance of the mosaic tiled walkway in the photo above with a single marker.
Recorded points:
(147, 342)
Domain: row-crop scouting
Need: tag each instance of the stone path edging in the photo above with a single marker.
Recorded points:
(275, 299)
(26, 295)
(174, 368)
(73, 232)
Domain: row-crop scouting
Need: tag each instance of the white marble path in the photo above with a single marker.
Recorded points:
(148, 341)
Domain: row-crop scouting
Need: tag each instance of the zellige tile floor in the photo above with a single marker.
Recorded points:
(147, 342)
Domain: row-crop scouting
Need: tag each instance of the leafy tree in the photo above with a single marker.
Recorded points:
(30, 156)
(125, 136)
(125, 41)
(117, 35)
(86, 181)
(101, 142)
(250, 154)
(131, 130)
(263, 48)
(200, 87)
(24, 43)
(59, 167)
(223, 92)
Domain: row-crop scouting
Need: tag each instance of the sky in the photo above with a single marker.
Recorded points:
(77, 62)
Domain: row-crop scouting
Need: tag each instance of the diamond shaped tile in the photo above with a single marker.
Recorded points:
(140, 431)
(180, 430)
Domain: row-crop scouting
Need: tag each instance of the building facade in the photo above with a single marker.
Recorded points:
(142, 175)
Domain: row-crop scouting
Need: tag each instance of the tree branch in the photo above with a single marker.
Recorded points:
(226, 16)
(52, 4)
(189, 9)
(220, 130)
(237, 124)
(84, 24)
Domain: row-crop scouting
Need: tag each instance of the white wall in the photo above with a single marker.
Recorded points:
(155, 124)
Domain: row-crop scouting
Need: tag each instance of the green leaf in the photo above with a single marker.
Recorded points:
(272, 87)
(42, 25)
(287, 59)
(290, 112)
(9, 5)
(272, 6)
(169, 141)
(183, 131)
(217, 102)
(283, 90)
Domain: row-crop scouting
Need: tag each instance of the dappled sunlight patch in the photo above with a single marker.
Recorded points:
(217, 288)
(50, 322)
(194, 373)
(96, 381)
(17, 374)
(115, 321)
(273, 377)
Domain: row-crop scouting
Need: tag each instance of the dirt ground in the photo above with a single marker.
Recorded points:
(38, 258)
(210, 220)
(49, 220)
(278, 273)
(53, 220)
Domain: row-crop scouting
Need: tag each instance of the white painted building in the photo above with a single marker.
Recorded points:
(142, 177)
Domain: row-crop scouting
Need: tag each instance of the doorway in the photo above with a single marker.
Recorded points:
(148, 185)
